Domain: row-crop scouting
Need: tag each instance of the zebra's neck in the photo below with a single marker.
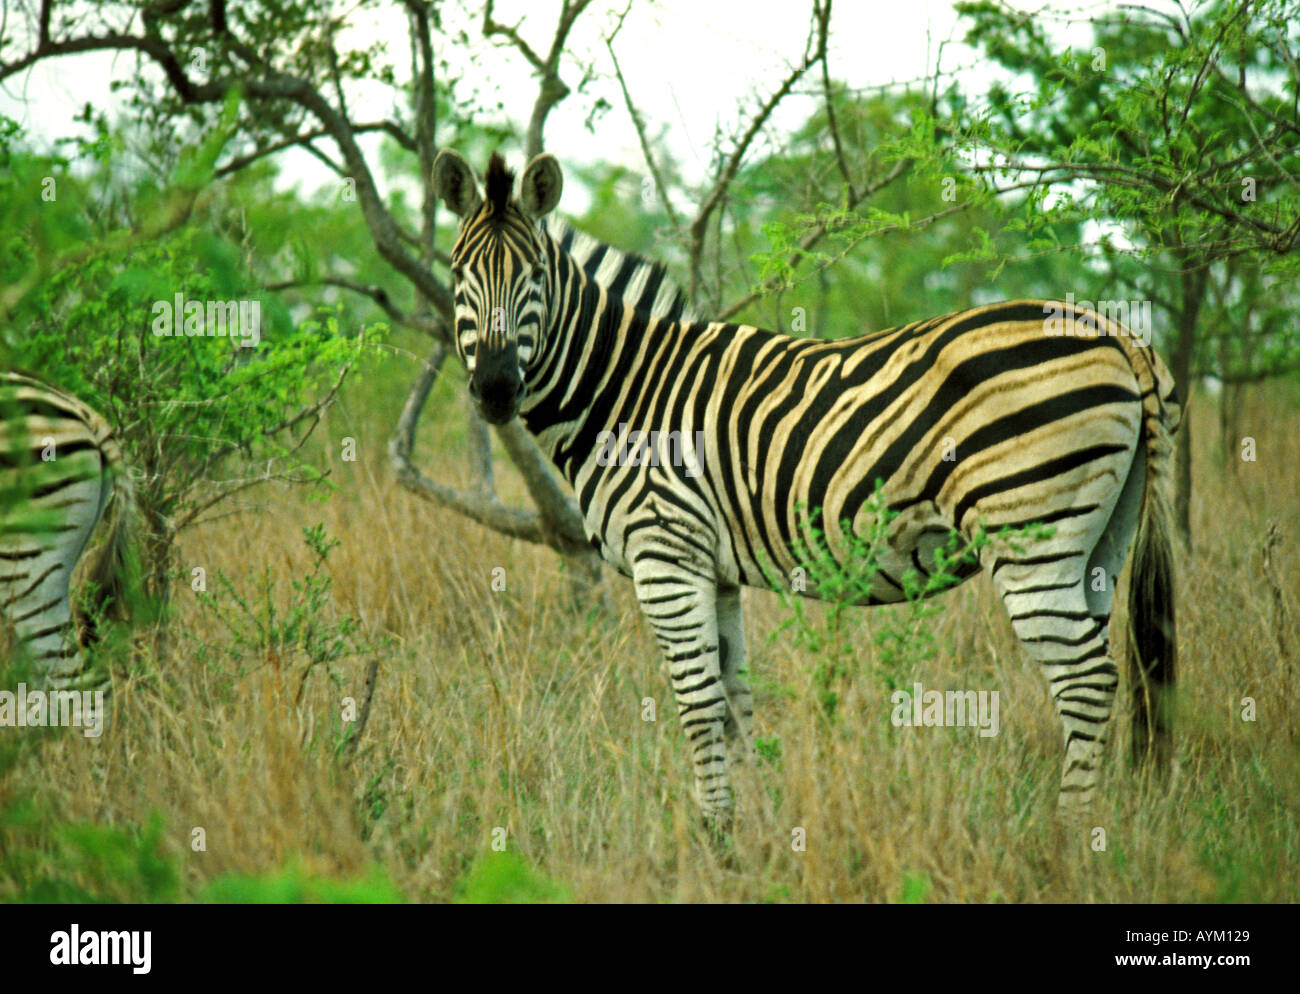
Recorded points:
(591, 343)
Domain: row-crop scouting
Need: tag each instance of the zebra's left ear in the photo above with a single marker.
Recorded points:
(539, 191)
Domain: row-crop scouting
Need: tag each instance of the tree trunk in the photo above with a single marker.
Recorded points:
(1193, 285)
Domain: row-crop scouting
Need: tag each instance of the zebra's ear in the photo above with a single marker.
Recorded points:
(454, 182)
(539, 191)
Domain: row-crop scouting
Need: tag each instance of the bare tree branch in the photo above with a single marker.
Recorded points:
(699, 225)
(551, 89)
(639, 125)
(480, 448)
(822, 11)
(560, 518)
(304, 138)
(486, 509)
(425, 123)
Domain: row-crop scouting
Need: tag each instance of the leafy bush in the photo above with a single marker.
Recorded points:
(507, 878)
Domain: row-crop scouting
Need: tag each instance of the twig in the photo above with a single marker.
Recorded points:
(430, 324)
(822, 11)
(363, 714)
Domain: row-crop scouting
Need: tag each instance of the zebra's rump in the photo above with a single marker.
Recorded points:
(59, 466)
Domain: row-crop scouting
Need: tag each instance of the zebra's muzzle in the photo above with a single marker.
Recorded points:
(496, 386)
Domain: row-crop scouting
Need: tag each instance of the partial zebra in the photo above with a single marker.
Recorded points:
(1005, 415)
(60, 468)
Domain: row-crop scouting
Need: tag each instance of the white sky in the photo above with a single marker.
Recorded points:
(693, 66)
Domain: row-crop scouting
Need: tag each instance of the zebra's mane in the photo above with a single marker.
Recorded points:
(634, 279)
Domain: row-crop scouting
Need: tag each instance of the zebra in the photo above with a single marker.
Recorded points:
(1011, 414)
(61, 468)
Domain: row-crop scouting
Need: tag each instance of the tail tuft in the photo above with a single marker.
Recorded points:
(1153, 650)
(113, 573)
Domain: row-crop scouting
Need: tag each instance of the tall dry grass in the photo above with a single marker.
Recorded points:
(512, 710)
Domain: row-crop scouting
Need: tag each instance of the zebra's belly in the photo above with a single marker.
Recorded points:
(915, 554)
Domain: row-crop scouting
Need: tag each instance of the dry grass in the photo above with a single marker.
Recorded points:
(511, 710)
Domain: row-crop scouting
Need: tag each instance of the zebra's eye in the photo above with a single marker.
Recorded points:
(457, 272)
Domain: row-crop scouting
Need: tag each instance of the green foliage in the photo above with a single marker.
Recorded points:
(46, 861)
(768, 748)
(916, 886)
(934, 234)
(1177, 136)
(309, 628)
(292, 886)
(507, 878)
(82, 863)
(200, 414)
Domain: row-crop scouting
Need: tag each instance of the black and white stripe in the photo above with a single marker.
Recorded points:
(60, 468)
(977, 419)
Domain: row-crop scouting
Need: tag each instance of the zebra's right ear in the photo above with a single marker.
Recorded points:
(454, 182)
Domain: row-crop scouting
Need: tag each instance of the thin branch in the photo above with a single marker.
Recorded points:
(561, 521)
(492, 27)
(236, 164)
(363, 714)
(430, 325)
(1134, 178)
(312, 411)
(822, 11)
(480, 448)
(425, 123)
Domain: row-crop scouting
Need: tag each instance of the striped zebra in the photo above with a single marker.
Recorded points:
(60, 468)
(981, 419)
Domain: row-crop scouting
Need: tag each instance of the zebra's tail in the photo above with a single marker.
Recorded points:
(1152, 649)
(114, 572)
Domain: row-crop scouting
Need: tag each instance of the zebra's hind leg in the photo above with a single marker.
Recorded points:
(1053, 622)
(1060, 610)
(681, 606)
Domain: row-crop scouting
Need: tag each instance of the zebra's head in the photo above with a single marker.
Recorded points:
(499, 269)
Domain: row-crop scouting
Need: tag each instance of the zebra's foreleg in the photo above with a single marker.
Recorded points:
(681, 607)
(739, 724)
